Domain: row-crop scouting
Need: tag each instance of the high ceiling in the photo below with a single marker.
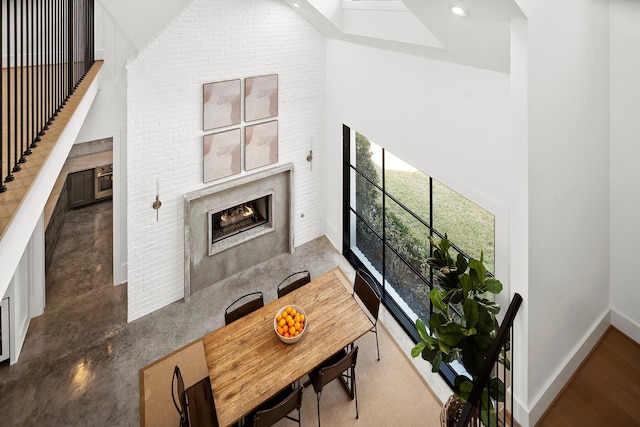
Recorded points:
(421, 27)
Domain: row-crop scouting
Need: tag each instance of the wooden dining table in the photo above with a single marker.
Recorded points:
(248, 363)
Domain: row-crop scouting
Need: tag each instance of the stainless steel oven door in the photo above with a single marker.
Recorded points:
(103, 182)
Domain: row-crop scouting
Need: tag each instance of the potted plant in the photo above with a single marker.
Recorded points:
(462, 325)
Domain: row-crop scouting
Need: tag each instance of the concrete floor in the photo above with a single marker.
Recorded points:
(80, 361)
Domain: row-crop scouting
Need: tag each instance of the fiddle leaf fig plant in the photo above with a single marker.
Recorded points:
(463, 322)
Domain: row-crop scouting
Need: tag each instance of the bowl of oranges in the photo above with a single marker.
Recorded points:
(290, 323)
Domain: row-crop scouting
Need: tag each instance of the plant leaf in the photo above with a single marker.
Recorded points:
(461, 263)
(464, 388)
(493, 285)
(490, 306)
(451, 334)
(437, 301)
(467, 285)
(417, 349)
(496, 389)
(422, 329)
(471, 315)
(435, 363)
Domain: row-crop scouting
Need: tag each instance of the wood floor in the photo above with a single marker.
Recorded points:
(606, 389)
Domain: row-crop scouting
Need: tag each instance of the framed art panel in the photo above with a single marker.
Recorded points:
(221, 154)
(220, 104)
(260, 145)
(260, 97)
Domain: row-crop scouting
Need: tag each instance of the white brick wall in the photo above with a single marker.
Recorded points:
(213, 40)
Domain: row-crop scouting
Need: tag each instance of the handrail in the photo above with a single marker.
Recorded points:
(492, 358)
(49, 48)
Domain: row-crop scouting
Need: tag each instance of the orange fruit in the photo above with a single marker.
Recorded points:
(301, 317)
(285, 328)
(296, 318)
(288, 310)
(297, 326)
(279, 317)
(280, 330)
(282, 322)
(286, 335)
(293, 311)
(292, 330)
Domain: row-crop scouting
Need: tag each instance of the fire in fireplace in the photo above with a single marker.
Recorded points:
(240, 218)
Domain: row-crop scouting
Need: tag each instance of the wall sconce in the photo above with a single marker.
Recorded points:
(156, 205)
(310, 155)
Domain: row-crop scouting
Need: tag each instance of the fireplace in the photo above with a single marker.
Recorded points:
(236, 224)
(239, 222)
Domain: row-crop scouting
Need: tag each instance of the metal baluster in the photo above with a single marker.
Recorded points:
(70, 43)
(40, 71)
(24, 125)
(3, 187)
(47, 50)
(16, 166)
(56, 62)
(33, 122)
(9, 177)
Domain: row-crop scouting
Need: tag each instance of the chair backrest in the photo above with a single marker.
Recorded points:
(200, 405)
(367, 290)
(331, 372)
(293, 282)
(250, 303)
(272, 415)
(177, 388)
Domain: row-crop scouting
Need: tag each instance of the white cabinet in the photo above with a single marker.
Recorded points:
(4, 329)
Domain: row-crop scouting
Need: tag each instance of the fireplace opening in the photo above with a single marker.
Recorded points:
(239, 219)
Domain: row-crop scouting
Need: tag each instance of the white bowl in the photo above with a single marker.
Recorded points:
(296, 338)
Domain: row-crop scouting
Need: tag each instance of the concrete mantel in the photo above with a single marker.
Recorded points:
(203, 268)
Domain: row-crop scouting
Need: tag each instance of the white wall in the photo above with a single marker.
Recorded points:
(625, 174)
(208, 42)
(140, 21)
(448, 120)
(107, 118)
(568, 133)
(519, 212)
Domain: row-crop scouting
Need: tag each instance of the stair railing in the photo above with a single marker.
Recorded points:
(486, 395)
(47, 49)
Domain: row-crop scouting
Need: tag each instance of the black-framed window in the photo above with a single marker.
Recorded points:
(389, 211)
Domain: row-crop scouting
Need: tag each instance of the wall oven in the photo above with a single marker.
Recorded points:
(103, 182)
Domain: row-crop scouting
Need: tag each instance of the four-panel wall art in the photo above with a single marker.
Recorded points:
(222, 108)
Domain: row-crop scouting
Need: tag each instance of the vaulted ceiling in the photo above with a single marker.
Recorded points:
(421, 27)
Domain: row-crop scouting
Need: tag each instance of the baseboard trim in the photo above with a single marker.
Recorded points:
(625, 325)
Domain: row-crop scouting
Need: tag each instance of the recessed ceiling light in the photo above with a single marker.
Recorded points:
(460, 11)
(296, 5)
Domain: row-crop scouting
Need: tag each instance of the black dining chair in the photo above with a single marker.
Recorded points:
(242, 306)
(195, 404)
(341, 365)
(277, 408)
(293, 282)
(177, 388)
(367, 290)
